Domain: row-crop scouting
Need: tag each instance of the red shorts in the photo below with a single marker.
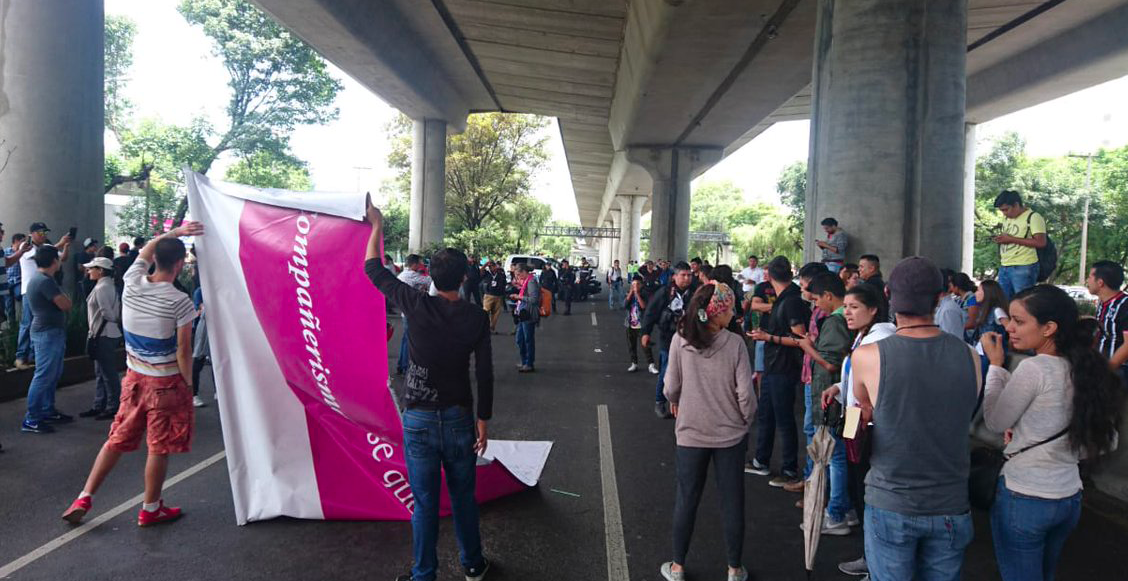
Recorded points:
(160, 407)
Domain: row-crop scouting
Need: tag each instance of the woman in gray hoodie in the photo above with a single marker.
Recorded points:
(709, 385)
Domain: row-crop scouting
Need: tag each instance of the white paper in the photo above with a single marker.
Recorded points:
(525, 460)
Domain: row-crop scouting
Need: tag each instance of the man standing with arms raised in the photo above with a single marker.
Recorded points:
(438, 425)
(919, 387)
(157, 390)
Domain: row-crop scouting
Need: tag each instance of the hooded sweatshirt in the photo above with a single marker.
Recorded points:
(712, 388)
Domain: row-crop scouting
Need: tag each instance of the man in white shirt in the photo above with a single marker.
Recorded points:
(751, 276)
(38, 233)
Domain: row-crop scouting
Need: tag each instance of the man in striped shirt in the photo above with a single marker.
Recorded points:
(156, 395)
(1105, 279)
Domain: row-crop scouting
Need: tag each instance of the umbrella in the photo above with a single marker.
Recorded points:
(814, 493)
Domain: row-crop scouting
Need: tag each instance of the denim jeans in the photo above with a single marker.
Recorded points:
(758, 364)
(776, 409)
(924, 548)
(1029, 532)
(527, 342)
(833, 267)
(405, 351)
(1015, 279)
(663, 361)
(24, 351)
(50, 345)
(839, 482)
(439, 442)
(615, 295)
(107, 390)
(808, 427)
(692, 469)
(10, 300)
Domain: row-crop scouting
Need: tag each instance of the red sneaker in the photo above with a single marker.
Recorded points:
(163, 514)
(78, 509)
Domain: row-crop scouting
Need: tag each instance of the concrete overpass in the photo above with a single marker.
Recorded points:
(651, 93)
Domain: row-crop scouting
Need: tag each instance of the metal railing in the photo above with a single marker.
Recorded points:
(582, 232)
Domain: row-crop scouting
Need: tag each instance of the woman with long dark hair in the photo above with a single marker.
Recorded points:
(991, 313)
(1058, 407)
(709, 386)
(865, 313)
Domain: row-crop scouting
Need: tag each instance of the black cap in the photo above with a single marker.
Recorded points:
(914, 285)
(37, 226)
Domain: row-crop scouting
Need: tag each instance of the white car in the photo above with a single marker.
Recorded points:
(1080, 294)
(537, 262)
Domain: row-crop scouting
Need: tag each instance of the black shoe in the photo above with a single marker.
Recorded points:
(477, 573)
(59, 418)
(106, 415)
(39, 427)
(90, 413)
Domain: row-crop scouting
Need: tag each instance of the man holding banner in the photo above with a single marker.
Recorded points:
(438, 426)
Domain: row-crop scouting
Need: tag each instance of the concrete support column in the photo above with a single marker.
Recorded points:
(616, 222)
(968, 261)
(887, 128)
(604, 249)
(634, 238)
(51, 118)
(672, 169)
(428, 184)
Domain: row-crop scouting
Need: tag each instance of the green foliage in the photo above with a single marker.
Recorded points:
(267, 169)
(397, 220)
(792, 189)
(118, 34)
(772, 236)
(559, 247)
(277, 81)
(720, 207)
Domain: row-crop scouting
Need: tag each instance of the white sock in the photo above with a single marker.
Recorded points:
(150, 506)
(84, 494)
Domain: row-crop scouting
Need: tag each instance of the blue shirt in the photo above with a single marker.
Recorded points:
(41, 293)
(14, 274)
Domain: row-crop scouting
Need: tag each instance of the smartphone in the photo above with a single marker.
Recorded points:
(72, 232)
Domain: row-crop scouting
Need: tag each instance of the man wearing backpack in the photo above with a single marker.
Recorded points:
(1023, 235)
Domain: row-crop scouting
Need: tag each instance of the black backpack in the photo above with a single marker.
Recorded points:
(1047, 255)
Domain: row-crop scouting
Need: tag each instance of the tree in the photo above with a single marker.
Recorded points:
(792, 189)
(119, 33)
(267, 169)
(720, 207)
(771, 236)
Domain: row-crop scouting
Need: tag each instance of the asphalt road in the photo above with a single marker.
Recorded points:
(554, 531)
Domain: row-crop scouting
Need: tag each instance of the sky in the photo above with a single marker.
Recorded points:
(176, 78)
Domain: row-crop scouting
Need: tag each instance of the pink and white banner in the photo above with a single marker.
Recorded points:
(300, 355)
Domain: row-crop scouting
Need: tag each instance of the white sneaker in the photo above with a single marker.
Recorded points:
(633, 368)
(197, 402)
(653, 369)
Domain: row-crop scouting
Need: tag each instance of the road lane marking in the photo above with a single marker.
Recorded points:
(612, 516)
(593, 322)
(103, 518)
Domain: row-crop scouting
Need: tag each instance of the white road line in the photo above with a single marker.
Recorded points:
(593, 321)
(63, 539)
(612, 517)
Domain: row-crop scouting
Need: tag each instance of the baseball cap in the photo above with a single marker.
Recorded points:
(100, 262)
(88, 242)
(914, 285)
(37, 226)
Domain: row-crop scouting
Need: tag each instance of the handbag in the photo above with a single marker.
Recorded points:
(92, 342)
(986, 465)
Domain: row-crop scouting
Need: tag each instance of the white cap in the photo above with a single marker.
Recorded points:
(100, 262)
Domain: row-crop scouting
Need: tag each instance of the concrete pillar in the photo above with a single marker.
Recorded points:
(51, 119)
(967, 264)
(616, 222)
(604, 249)
(672, 169)
(428, 184)
(627, 220)
(633, 206)
(887, 128)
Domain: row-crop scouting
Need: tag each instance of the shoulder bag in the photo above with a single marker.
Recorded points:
(986, 465)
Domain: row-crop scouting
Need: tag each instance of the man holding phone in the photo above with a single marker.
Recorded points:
(38, 233)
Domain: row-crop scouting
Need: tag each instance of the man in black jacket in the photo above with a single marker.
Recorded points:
(549, 282)
(665, 308)
(472, 288)
(567, 278)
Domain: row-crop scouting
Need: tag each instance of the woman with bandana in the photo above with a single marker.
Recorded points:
(709, 386)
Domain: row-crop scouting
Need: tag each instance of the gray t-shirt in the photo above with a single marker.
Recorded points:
(41, 293)
(837, 240)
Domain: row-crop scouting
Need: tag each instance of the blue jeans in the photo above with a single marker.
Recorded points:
(1015, 279)
(50, 345)
(839, 503)
(439, 442)
(527, 342)
(776, 409)
(925, 548)
(10, 300)
(663, 361)
(23, 344)
(1029, 532)
(833, 267)
(615, 295)
(808, 427)
(758, 364)
(405, 351)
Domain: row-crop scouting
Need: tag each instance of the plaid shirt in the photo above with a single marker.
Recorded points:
(14, 275)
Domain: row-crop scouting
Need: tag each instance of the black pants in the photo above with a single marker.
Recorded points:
(473, 294)
(692, 470)
(776, 410)
(633, 336)
(197, 367)
(856, 483)
(566, 294)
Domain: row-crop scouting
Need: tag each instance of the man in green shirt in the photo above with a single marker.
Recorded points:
(1023, 233)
